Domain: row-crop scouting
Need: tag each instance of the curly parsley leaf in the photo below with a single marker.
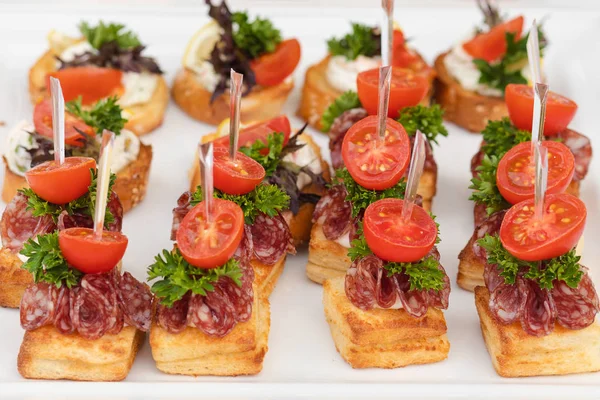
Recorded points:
(267, 199)
(485, 189)
(364, 40)
(361, 197)
(266, 154)
(429, 120)
(179, 276)
(106, 33)
(106, 114)
(346, 101)
(501, 136)
(46, 262)
(256, 37)
(40, 207)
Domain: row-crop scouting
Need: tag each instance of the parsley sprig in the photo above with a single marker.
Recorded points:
(429, 120)
(46, 262)
(106, 33)
(105, 114)
(361, 197)
(346, 101)
(179, 276)
(485, 189)
(266, 154)
(255, 37)
(564, 268)
(267, 199)
(501, 136)
(363, 40)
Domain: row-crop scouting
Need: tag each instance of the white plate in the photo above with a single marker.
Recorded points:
(302, 360)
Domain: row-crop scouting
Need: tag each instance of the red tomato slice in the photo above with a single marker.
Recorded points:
(403, 57)
(391, 239)
(211, 244)
(236, 177)
(516, 171)
(492, 45)
(91, 83)
(42, 120)
(271, 69)
(407, 89)
(559, 109)
(60, 184)
(84, 252)
(557, 233)
(372, 164)
(260, 130)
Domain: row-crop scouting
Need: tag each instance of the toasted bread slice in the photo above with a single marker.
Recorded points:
(13, 279)
(130, 185)
(263, 102)
(465, 108)
(266, 276)
(382, 338)
(318, 94)
(144, 117)
(48, 354)
(514, 353)
(192, 352)
(470, 268)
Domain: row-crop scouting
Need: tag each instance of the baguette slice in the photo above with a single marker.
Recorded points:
(144, 117)
(260, 104)
(382, 338)
(465, 108)
(130, 186)
(514, 353)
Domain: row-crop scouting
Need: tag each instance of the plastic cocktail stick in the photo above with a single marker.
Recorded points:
(533, 53)
(103, 182)
(205, 156)
(235, 101)
(387, 32)
(58, 120)
(385, 79)
(541, 181)
(417, 163)
(539, 153)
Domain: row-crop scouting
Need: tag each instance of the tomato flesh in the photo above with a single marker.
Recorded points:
(260, 131)
(272, 68)
(515, 177)
(376, 164)
(559, 109)
(210, 244)
(392, 239)
(91, 83)
(558, 231)
(42, 120)
(90, 255)
(407, 89)
(60, 184)
(236, 177)
(491, 45)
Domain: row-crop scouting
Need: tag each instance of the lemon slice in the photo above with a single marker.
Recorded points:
(201, 45)
(59, 42)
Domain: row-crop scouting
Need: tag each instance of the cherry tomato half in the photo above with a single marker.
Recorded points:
(407, 89)
(392, 239)
(211, 244)
(373, 164)
(60, 184)
(515, 177)
(559, 109)
(91, 83)
(491, 45)
(236, 177)
(42, 120)
(84, 252)
(260, 130)
(271, 69)
(559, 230)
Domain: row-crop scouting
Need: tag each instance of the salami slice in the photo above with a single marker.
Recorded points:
(507, 302)
(361, 281)
(62, 316)
(19, 225)
(90, 317)
(103, 288)
(576, 308)
(476, 161)
(491, 225)
(491, 277)
(135, 300)
(271, 238)
(386, 289)
(539, 312)
(66, 221)
(38, 306)
(479, 214)
(239, 297)
(338, 131)
(116, 208)
(581, 148)
(213, 314)
(338, 216)
(441, 298)
(415, 302)
(184, 206)
(246, 248)
(174, 318)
